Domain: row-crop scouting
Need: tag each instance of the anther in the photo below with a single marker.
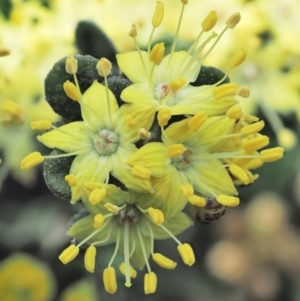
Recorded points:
(187, 190)
(89, 259)
(252, 128)
(132, 271)
(210, 21)
(71, 65)
(184, 2)
(176, 84)
(68, 254)
(187, 254)
(238, 58)
(41, 124)
(272, 154)
(31, 160)
(133, 32)
(164, 261)
(196, 121)
(112, 208)
(157, 53)
(156, 215)
(226, 200)
(158, 14)
(243, 91)
(99, 220)
(254, 163)
(141, 172)
(97, 195)
(4, 52)
(150, 283)
(110, 280)
(129, 120)
(72, 90)
(104, 67)
(71, 180)
(224, 90)
(163, 116)
(175, 150)
(197, 200)
(239, 173)
(256, 143)
(143, 134)
(235, 112)
(233, 20)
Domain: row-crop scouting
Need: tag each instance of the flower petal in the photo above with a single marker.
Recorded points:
(69, 138)
(139, 93)
(95, 107)
(131, 65)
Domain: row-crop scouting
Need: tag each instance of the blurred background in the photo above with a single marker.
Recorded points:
(251, 253)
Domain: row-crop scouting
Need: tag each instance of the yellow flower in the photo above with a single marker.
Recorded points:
(22, 277)
(80, 290)
(132, 223)
(102, 142)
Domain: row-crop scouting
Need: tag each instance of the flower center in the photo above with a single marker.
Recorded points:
(130, 213)
(182, 161)
(106, 143)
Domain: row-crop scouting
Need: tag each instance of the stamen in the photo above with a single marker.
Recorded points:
(239, 173)
(126, 254)
(110, 280)
(71, 180)
(141, 172)
(69, 254)
(71, 65)
(143, 249)
(224, 90)
(157, 53)
(41, 124)
(11, 111)
(150, 283)
(129, 120)
(175, 150)
(176, 84)
(31, 160)
(122, 269)
(252, 128)
(156, 20)
(226, 200)
(89, 259)
(99, 220)
(238, 58)
(256, 143)
(187, 254)
(113, 208)
(233, 20)
(196, 121)
(197, 200)
(156, 216)
(143, 134)
(243, 91)
(272, 154)
(163, 116)
(72, 91)
(97, 195)
(210, 21)
(164, 261)
(187, 190)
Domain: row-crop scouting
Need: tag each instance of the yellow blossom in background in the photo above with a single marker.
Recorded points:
(23, 277)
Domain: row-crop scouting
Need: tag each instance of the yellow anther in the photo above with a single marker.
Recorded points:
(158, 14)
(187, 254)
(187, 190)
(110, 280)
(41, 124)
(210, 21)
(141, 172)
(176, 84)
(132, 271)
(71, 65)
(112, 208)
(163, 116)
(157, 53)
(197, 200)
(175, 150)
(68, 254)
(156, 215)
(253, 128)
(243, 161)
(235, 112)
(238, 58)
(254, 163)
(99, 220)
(72, 91)
(196, 121)
(150, 283)
(97, 195)
(224, 90)
(184, 2)
(133, 33)
(250, 119)
(256, 143)
(4, 52)
(129, 120)
(11, 111)
(89, 259)
(272, 154)
(31, 160)
(239, 173)
(164, 261)
(226, 200)
(71, 180)
(104, 67)
(287, 138)
(233, 20)
(243, 91)
(143, 134)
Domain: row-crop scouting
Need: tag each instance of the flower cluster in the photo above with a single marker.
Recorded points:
(169, 138)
